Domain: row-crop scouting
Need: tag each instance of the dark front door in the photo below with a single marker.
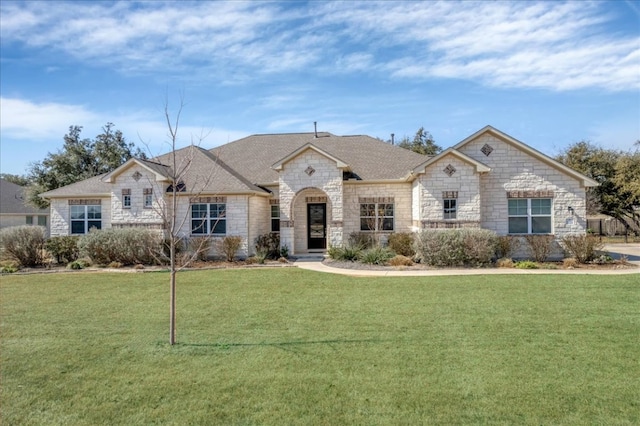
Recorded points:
(317, 226)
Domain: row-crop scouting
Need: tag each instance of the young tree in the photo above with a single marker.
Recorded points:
(422, 143)
(79, 159)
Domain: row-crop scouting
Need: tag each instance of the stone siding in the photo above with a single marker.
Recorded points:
(465, 182)
(400, 192)
(136, 214)
(259, 220)
(296, 176)
(60, 215)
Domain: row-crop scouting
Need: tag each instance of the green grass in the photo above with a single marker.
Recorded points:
(289, 346)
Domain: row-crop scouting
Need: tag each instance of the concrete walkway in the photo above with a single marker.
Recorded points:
(632, 251)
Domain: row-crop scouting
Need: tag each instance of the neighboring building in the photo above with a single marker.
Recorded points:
(317, 188)
(14, 211)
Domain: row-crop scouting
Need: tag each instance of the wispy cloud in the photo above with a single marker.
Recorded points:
(551, 45)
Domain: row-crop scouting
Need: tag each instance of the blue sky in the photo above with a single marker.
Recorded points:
(547, 73)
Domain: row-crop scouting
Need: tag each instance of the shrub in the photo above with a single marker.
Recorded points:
(400, 260)
(504, 262)
(526, 264)
(582, 247)
(79, 263)
(455, 247)
(570, 263)
(284, 251)
(261, 255)
(346, 253)
(506, 245)
(24, 244)
(115, 265)
(364, 240)
(9, 266)
(269, 243)
(376, 255)
(128, 246)
(402, 243)
(198, 248)
(64, 249)
(540, 246)
(229, 246)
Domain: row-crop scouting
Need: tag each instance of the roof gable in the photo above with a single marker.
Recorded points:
(584, 180)
(339, 163)
(479, 166)
(160, 171)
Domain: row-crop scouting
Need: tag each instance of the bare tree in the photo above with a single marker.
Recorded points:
(178, 174)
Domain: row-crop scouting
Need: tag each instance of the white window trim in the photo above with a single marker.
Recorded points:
(530, 216)
(272, 217)
(378, 219)
(208, 220)
(85, 220)
(451, 210)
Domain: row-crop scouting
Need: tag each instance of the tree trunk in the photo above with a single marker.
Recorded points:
(172, 292)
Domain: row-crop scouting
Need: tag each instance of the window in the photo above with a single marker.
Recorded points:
(83, 218)
(126, 198)
(148, 198)
(450, 208)
(530, 216)
(209, 219)
(376, 217)
(275, 218)
(42, 221)
(29, 220)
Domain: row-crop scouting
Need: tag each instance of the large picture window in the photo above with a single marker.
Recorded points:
(83, 218)
(376, 217)
(275, 218)
(529, 216)
(209, 219)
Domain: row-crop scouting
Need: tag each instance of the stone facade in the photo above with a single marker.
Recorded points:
(481, 194)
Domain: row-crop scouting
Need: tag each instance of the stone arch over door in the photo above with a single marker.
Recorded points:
(298, 214)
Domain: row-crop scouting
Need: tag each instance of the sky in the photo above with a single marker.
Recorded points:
(547, 73)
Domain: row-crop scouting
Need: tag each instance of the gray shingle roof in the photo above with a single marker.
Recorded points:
(239, 166)
(369, 158)
(88, 187)
(12, 200)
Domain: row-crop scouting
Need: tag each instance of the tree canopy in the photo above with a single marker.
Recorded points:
(79, 159)
(618, 174)
(422, 143)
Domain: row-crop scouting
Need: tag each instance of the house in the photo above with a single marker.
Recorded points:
(15, 212)
(317, 188)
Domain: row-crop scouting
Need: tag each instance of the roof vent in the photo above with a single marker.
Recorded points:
(315, 129)
(392, 138)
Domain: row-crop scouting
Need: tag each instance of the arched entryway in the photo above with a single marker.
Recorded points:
(311, 213)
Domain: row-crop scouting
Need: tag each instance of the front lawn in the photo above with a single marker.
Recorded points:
(289, 346)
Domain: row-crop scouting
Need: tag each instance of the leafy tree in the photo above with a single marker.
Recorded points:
(422, 143)
(17, 179)
(618, 174)
(79, 159)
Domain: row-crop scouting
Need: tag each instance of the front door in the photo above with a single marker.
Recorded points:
(317, 226)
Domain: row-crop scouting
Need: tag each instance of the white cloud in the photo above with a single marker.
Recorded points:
(552, 45)
(25, 120)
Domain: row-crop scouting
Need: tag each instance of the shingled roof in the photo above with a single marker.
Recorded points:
(368, 158)
(12, 200)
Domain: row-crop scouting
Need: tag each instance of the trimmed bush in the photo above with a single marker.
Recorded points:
(24, 244)
(269, 244)
(506, 245)
(540, 246)
(570, 263)
(582, 247)
(128, 246)
(402, 243)
(64, 249)
(198, 248)
(376, 256)
(229, 246)
(456, 247)
(505, 262)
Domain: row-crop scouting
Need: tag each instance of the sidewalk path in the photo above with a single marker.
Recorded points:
(632, 251)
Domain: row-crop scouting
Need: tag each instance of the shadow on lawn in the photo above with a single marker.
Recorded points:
(294, 346)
